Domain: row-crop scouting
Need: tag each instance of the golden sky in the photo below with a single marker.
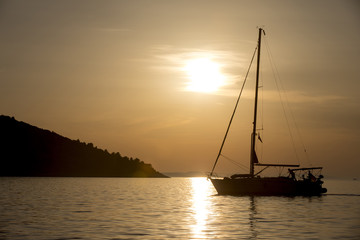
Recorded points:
(118, 74)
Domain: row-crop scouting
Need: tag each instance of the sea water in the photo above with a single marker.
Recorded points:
(174, 208)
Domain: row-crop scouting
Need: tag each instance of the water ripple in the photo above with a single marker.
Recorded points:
(178, 208)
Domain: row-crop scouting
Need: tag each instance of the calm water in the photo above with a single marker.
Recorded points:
(176, 208)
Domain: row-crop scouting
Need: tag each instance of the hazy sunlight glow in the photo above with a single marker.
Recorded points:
(204, 75)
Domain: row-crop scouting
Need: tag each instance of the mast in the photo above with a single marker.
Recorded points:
(253, 158)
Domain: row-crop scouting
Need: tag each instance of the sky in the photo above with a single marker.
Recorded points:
(116, 73)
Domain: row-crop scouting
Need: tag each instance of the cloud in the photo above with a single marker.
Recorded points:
(168, 58)
(172, 59)
(297, 97)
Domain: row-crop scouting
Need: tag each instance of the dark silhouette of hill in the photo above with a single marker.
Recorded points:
(26, 150)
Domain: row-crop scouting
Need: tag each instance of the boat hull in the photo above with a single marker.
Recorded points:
(267, 186)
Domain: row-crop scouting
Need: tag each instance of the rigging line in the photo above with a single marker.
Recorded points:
(290, 110)
(300, 137)
(235, 163)
(281, 98)
(261, 150)
(262, 103)
(232, 116)
(291, 113)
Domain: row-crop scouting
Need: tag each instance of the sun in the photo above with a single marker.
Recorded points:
(204, 75)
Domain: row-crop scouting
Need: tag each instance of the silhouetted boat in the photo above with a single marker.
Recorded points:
(309, 183)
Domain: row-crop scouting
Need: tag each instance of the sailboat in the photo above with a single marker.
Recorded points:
(300, 181)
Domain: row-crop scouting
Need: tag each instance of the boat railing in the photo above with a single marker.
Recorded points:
(304, 174)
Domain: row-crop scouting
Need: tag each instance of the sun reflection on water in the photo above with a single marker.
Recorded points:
(201, 191)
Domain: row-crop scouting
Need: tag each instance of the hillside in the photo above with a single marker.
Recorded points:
(27, 150)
